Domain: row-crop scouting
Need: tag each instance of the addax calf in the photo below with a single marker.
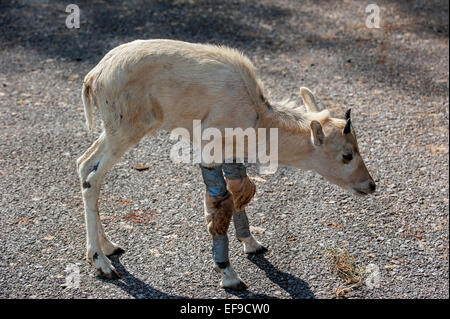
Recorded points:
(145, 86)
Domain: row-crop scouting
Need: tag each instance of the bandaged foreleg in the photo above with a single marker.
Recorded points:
(220, 251)
(241, 225)
(239, 185)
(218, 212)
(214, 181)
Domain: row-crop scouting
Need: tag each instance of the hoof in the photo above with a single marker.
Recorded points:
(112, 275)
(260, 250)
(104, 267)
(230, 278)
(117, 252)
(239, 286)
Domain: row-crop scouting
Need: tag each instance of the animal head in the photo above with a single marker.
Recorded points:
(335, 153)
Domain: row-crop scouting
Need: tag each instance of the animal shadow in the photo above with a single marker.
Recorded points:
(134, 286)
(296, 287)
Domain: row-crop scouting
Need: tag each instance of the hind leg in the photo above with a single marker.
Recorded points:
(243, 190)
(108, 247)
(91, 149)
(92, 167)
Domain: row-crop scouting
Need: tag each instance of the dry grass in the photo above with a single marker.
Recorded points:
(342, 264)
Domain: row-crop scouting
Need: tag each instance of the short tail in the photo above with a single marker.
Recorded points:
(88, 113)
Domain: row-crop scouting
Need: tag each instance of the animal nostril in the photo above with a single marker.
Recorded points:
(372, 186)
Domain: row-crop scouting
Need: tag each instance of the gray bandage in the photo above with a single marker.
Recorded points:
(220, 251)
(234, 170)
(214, 181)
(241, 226)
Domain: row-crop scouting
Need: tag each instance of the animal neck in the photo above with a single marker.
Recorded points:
(294, 150)
(294, 139)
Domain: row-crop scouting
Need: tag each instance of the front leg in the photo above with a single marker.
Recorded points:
(218, 212)
(243, 190)
(218, 206)
(251, 245)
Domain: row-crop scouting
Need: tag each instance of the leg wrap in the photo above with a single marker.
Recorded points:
(220, 251)
(218, 201)
(238, 183)
(213, 178)
(218, 213)
(241, 224)
(234, 170)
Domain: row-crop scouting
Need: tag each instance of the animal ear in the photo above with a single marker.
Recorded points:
(347, 114)
(349, 122)
(317, 136)
(348, 126)
(309, 100)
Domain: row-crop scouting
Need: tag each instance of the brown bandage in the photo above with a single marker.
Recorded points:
(242, 190)
(218, 213)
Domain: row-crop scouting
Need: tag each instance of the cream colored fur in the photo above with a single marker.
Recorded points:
(149, 85)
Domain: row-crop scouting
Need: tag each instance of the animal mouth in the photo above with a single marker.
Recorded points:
(360, 192)
(364, 191)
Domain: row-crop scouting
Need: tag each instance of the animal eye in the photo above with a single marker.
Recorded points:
(347, 157)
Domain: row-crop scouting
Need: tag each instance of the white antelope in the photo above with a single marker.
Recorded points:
(149, 85)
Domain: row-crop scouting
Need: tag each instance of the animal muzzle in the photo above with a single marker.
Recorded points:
(364, 188)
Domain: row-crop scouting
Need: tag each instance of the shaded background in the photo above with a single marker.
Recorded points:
(394, 78)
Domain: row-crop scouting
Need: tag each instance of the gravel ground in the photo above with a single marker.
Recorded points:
(394, 78)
